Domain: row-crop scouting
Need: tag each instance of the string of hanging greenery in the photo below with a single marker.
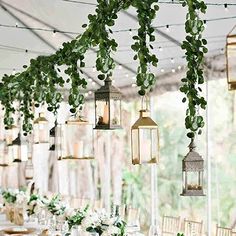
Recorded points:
(195, 47)
(39, 82)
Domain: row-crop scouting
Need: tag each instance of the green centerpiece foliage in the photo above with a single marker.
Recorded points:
(195, 48)
(41, 81)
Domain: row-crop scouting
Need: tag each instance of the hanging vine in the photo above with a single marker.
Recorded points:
(39, 83)
(195, 47)
(146, 14)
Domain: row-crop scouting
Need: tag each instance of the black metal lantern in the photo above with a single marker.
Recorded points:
(193, 171)
(11, 134)
(29, 169)
(41, 131)
(18, 150)
(52, 137)
(231, 59)
(108, 107)
(76, 140)
(145, 139)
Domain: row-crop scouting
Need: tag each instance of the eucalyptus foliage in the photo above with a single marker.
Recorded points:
(41, 81)
(195, 48)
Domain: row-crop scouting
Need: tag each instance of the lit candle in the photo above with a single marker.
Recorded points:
(146, 154)
(106, 114)
(43, 133)
(43, 136)
(78, 149)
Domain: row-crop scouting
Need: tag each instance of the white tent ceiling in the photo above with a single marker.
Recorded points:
(70, 15)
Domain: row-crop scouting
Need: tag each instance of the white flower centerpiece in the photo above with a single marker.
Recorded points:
(101, 223)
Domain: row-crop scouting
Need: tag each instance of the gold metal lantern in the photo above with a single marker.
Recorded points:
(192, 172)
(108, 107)
(18, 150)
(77, 140)
(231, 59)
(41, 130)
(145, 139)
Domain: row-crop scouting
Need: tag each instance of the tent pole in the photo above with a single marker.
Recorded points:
(208, 157)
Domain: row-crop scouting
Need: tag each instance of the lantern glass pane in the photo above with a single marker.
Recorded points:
(115, 115)
(184, 180)
(78, 142)
(194, 181)
(231, 57)
(155, 145)
(11, 134)
(4, 160)
(85, 133)
(29, 170)
(61, 141)
(135, 146)
(24, 152)
(145, 140)
(102, 112)
(41, 133)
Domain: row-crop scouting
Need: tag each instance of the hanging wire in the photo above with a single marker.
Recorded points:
(31, 51)
(208, 158)
(114, 31)
(161, 2)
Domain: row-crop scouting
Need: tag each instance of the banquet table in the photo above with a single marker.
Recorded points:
(5, 224)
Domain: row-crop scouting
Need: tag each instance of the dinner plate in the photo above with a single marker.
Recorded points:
(18, 230)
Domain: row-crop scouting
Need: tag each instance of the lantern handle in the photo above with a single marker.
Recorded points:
(145, 103)
(192, 146)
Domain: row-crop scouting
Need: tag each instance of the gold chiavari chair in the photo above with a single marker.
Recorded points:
(170, 225)
(133, 224)
(97, 204)
(75, 202)
(84, 202)
(123, 211)
(80, 203)
(221, 231)
(193, 228)
(234, 233)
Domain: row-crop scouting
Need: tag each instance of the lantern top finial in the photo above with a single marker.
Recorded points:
(193, 161)
(192, 146)
(145, 121)
(107, 88)
(41, 119)
(192, 155)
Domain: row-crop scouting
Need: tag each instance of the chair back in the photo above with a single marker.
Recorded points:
(170, 225)
(133, 224)
(97, 204)
(221, 231)
(66, 199)
(193, 228)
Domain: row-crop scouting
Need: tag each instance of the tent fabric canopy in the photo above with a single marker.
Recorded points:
(18, 45)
